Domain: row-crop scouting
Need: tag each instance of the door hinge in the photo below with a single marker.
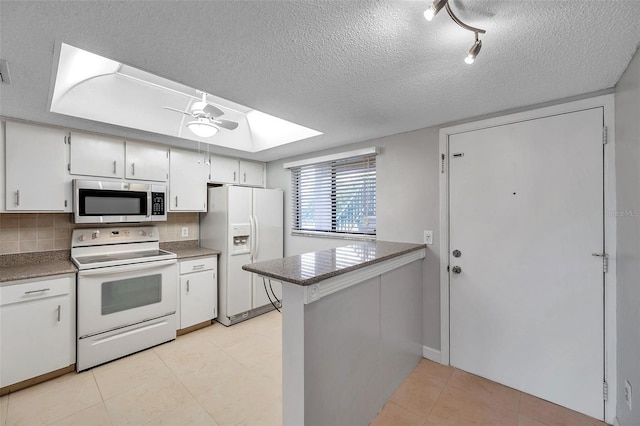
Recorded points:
(65, 203)
(605, 391)
(604, 135)
(442, 161)
(69, 166)
(605, 261)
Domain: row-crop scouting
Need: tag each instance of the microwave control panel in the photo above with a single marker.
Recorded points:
(157, 204)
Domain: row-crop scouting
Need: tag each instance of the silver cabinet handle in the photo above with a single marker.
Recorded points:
(133, 169)
(17, 197)
(198, 266)
(176, 201)
(37, 291)
(58, 313)
(234, 176)
(187, 286)
(114, 167)
(245, 177)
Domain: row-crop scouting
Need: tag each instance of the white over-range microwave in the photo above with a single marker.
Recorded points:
(97, 201)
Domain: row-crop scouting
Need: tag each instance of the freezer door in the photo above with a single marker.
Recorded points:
(268, 238)
(239, 285)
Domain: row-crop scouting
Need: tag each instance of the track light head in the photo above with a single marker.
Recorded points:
(473, 52)
(434, 9)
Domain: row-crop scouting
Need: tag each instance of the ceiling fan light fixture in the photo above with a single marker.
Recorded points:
(203, 127)
(473, 52)
(434, 9)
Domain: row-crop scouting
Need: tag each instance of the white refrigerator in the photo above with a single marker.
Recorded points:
(246, 224)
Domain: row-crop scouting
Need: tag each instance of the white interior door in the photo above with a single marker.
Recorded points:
(268, 217)
(526, 214)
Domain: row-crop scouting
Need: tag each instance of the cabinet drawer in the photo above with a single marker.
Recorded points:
(36, 289)
(198, 264)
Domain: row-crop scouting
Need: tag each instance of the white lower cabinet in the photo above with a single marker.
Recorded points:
(198, 291)
(37, 325)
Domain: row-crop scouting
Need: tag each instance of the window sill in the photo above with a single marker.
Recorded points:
(333, 235)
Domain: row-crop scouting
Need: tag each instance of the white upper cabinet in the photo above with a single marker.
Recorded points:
(35, 168)
(223, 170)
(93, 155)
(146, 162)
(187, 181)
(251, 173)
(236, 172)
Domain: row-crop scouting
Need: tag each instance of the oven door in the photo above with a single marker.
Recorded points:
(117, 296)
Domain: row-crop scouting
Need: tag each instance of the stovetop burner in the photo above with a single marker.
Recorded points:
(106, 247)
(101, 258)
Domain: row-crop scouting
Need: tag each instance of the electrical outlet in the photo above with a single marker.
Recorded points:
(627, 393)
(428, 237)
(185, 231)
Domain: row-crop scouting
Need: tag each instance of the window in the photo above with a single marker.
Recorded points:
(335, 198)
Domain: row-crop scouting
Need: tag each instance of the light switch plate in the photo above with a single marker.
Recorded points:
(428, 237)
(185, 231)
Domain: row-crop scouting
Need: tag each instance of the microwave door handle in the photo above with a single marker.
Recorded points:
(149, 203)
(126, 268)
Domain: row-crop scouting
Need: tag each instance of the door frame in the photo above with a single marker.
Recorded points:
(607, 103)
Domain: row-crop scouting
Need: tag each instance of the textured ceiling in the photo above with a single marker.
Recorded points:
(355, 70)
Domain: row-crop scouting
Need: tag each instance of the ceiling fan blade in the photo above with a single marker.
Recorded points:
(178, 110)
(229, 125)
(212, 111)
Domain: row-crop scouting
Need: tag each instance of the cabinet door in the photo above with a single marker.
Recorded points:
(187, 181)
(197, 298)
(223, 170)
(146, 162)
(36, 338)
(251, 174)
(35, 168)
(93, 155)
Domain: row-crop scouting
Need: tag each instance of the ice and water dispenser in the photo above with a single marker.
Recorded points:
(240, 238)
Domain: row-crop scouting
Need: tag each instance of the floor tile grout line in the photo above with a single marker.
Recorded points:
(439, 393)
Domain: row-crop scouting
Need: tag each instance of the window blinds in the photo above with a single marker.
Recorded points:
(335, 197)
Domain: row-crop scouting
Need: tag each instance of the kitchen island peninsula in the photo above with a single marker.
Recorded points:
(351, 328)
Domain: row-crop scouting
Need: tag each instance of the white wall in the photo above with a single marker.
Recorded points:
(628, 250)
(407, 204)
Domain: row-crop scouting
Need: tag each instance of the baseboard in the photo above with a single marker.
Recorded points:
(431, 354)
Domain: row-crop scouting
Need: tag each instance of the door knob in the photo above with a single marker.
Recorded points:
(456, 269)
(457, 253)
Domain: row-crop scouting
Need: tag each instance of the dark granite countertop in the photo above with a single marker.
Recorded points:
(310, 268)
(186, 249)
(23, 266)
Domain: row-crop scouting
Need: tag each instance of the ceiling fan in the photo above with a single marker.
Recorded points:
(206, 123)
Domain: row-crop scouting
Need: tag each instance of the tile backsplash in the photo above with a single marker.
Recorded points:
(31, 232)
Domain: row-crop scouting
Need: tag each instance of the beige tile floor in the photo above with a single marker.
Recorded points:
(213, 376)
(232, 376)
(435, 394)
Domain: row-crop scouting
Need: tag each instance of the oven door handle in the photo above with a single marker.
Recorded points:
(110, 270)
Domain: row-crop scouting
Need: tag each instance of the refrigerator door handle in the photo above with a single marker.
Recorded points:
(256, 238)
(252, 238)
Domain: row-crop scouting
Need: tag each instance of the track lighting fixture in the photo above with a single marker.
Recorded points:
(473, 52)
(433, 10)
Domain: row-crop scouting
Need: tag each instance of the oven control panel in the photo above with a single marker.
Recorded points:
(91, 237)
